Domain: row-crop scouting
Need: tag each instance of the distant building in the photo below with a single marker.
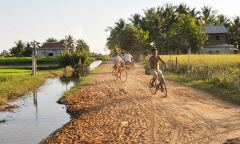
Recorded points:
(51, 49)
(216, 43)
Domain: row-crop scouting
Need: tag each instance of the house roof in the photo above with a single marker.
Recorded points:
(211, 29)
(53, 45)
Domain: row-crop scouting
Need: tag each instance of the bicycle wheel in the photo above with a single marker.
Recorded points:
(123, 75)
(115, 74)
(163, 87)
(153, 89)
(132, 67)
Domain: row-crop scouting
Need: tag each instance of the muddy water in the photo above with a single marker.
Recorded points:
(39, 114)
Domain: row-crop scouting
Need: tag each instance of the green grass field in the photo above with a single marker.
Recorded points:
(4, 70)
(221, 70)
(16, 79)
(18, 82)
(16, 61)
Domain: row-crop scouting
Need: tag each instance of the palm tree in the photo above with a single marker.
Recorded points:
(82, 45)
(120, 25)
(196, 14)
(223, 20)
(69, 42)
(18, 49)
(234, 30)
(208, 15)
(136, 20)
(51, 40)
(182, 8)
(115, 31)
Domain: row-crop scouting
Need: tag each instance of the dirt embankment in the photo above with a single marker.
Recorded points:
(106, 111)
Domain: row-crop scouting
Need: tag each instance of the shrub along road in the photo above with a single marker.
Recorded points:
(106, 111)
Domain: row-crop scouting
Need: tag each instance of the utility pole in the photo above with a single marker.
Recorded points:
(34, 59)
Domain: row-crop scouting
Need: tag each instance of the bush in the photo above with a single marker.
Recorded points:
(78, 60)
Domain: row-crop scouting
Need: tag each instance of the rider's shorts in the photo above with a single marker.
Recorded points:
(156, 72)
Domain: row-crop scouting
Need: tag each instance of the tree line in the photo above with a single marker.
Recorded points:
(22, 49)
(173, 29)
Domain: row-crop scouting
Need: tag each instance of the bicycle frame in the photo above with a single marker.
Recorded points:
(120, 72)
(159, 84)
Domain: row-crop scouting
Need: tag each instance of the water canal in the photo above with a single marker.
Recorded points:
(39, 113)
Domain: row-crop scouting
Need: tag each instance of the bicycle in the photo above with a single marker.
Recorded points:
(120, 73)
(130, 66)
(159, 84)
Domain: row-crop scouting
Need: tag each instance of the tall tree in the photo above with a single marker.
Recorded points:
(18, 49)
(69, 42)
(222, 20)
(113, 39)
(51, 40)
(27, 50)
(82, 45)
(136, 20)
(4, 53)
(208, 15)
(133, 39)
(234, 30)
(182, 8)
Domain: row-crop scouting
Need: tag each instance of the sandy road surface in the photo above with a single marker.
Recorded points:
(106, 111)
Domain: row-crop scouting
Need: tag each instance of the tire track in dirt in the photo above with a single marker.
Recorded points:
(107, 111)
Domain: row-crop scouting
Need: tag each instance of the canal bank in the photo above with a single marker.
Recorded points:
(39, 114)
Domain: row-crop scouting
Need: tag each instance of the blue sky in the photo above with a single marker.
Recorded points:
(87, 19)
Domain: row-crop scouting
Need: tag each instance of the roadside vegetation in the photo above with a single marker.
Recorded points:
(84, 81)
(15, 67)
(27, 61)
(173, 28)
(78, 60)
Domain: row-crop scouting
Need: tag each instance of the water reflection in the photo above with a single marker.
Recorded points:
(38, 116)
(95, 64)
(35, 102)
(67, 80)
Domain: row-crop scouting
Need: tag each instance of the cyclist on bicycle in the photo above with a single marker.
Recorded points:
(128, 58)
(154, 64)
(117, 61)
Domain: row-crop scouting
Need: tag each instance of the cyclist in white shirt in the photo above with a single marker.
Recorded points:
(117, 61)
(128, 58)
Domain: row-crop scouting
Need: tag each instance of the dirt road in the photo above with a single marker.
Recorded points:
(106, 111)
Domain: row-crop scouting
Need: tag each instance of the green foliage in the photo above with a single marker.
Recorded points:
(82, 45)
(100, 57)
(22, 49)
(13, 85)
(173, 28)
(51, 40)
(79, 60)
(14, 70)
(221, 70)
(4, 53)
(16, 61)
(18, 50)
(133, 39)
